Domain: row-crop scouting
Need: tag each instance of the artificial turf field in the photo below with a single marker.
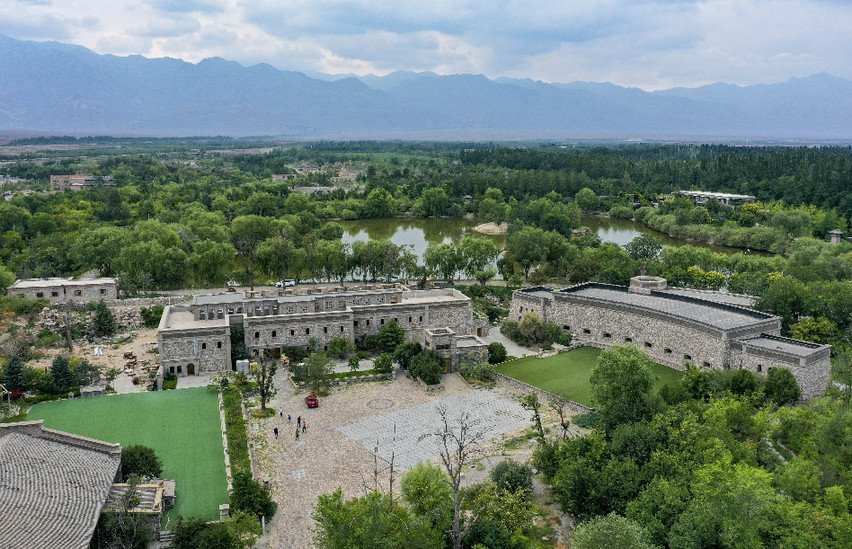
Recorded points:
(567, 374)
(182, 426)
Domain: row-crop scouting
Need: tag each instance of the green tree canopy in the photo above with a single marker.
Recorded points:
(622, 385)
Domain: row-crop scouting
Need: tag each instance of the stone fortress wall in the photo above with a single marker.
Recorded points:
(195, 338)
(674, 329)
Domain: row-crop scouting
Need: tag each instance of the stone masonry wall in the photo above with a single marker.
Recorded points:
(58, 293)
(296, 330)
(208, 350)
(812, 375)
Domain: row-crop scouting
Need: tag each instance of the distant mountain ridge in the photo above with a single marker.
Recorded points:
(62, 88)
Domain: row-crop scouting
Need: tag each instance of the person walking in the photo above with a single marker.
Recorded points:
(288, 418)
(304, 426)
(298, 422)
(297, 433)
(276, 433)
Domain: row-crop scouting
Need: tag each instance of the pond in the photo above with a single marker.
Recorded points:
(418, 233)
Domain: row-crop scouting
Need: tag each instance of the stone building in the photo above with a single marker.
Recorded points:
(53, 486)
(701, 198)
(79, 182)
(675, 328)
(66, 290)
(195, 338)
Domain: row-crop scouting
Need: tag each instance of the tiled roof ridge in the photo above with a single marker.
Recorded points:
(789, 340)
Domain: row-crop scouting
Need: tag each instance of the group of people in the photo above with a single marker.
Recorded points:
(301, 426)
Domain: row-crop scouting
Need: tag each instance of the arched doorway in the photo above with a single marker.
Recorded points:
(190, 369)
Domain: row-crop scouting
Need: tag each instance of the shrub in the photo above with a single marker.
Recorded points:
(354, 363)
(383, 363)
(151, 316)
(406, 352)
(391, 335)
(340, 347)
(496, 352)
(235, 427)
(141, 461)
(781, 387)
(295, 354)
(511, 476)
(104, 322)
(250, 497)
(475, 371)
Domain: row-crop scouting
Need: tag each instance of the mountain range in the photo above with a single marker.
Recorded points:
(55, 88)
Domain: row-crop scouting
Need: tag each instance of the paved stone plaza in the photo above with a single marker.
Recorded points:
(495, 414)
(336, 451)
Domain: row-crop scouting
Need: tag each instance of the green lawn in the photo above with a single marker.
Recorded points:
(567, 374)
(182, 426)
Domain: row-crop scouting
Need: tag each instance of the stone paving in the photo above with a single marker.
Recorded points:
(325, 459)
(398, 432)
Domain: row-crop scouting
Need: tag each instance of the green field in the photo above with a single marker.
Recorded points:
(567, 374)
(182, 426)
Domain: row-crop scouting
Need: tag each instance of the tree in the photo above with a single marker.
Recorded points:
(391, 335)
(249, 496)
(13, 374)
(121, 528)
(531, 403)
(340, 347)
(368, 522)
(743, 382)
(622, 385)
(7, 278)
(60, 373)
(427, 490)
(496, 352)
(405, 353)
(247, 232)
(428, 365)
(104, 322)
(383, 363)
(477, 253)
(238, 532)
(140, 461)
(781, 387)
(644, 248)
(609, 531)
(379, 203)
(587, 200)
(818, 330)
(443, 259)
(433, 202)
(354, 363)
(318, 369)
(264, 374)
(458, 439)
(211, 261)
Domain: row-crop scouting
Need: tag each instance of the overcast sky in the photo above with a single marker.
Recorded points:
(650, 44)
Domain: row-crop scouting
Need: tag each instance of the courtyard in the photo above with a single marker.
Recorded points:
(567, 374)
(350, 438)
(182, 426)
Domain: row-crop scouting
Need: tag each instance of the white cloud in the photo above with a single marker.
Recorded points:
(647, 43)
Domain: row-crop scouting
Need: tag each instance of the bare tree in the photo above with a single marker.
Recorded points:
(459, 441)
(530, 402)
(558, 405)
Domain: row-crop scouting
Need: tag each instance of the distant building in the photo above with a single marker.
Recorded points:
(701, 198)
(53, 486)
(79, 182)
(66, 290)
(284, 176)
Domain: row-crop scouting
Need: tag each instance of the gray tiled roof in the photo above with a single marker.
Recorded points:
(51, 493)
(784, 344)
(705, 312)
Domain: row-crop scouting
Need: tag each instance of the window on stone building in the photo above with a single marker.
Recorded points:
(586, 331)
(607, 335)
(566, 327)
(341, 329)
(355, 323)
(172, 369)
(203, 346)
(667, 351)
(382, 321)
(368, 322)
(705, 364)
(180, 369)
(394, 299)
(77, 292)
(687, 357)
(39, 294)
(421, 319)
(103, 291)
(307, 331)
(292, 332)
(54, 294)
(628, 340)
(409, 320)
(257, 335)
(648, 344)
(325, 329)
(760, 367)
(218, 344)
(274, 333)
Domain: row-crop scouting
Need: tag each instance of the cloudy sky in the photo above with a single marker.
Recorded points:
(651, 44)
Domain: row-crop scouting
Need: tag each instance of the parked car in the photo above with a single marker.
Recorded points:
(287, 282)
(311, 401)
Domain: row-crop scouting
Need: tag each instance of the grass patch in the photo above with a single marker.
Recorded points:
(181, 426)
(567, 374)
